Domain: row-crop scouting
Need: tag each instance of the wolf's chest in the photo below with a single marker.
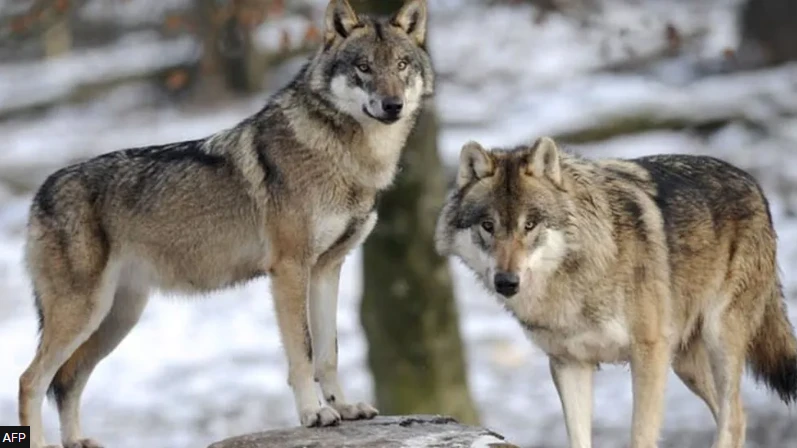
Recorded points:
(384, 140)
(341, 231)
(606, 343)
(329, 228)
(384, 144)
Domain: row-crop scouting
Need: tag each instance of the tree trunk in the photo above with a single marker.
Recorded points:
(229, 50)
(769, 32)
(57, 38)
(408, 309)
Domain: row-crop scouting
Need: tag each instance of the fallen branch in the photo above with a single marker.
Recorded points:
(640, 124)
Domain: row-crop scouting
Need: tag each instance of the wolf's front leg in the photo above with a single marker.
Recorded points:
(323, 327)
(573, 381)
(290, 284)
(649, 363)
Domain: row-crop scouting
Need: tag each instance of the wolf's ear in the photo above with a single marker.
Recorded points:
(411, 18)
(340, 20)
(474, 164)
(543, 160)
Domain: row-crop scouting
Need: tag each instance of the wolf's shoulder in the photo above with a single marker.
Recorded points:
(686, 186)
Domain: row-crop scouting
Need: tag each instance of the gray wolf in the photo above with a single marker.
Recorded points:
(655, 261)
(287, 193)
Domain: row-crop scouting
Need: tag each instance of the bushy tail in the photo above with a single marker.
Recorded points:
(772, 354)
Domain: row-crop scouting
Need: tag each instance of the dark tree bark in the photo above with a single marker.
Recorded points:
(49, 21)
(228, 46)
(769, 32)
(408, 309)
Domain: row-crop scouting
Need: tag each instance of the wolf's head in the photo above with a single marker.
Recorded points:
(508, 215)
(374, 68)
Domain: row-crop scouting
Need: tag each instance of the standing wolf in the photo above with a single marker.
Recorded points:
(287, 193)
(654, 261)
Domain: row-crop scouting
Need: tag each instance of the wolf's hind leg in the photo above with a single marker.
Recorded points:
(726, 342)
(70, 380)
(324, 286)
(70, 316)
(693, 367)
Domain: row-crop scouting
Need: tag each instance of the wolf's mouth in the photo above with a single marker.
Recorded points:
(385, 120)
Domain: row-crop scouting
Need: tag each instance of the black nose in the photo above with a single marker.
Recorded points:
(506, 283)
(392, 106)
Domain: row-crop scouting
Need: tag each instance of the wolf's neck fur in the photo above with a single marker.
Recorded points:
(319, 136)
(596, 242)
(370, 149)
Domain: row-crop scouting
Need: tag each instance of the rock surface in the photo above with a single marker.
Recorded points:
(409, 431)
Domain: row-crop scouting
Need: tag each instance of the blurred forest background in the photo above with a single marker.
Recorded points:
(418, 335)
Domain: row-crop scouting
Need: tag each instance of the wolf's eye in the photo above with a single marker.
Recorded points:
(488, 226)
(530, 225)
(402, 65)
(363, 68)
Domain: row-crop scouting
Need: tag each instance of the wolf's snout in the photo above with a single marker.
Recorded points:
(392, 106)
(506, 283)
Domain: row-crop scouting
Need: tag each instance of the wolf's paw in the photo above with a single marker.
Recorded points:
(84, 443)
(322, 416)
(356, 411)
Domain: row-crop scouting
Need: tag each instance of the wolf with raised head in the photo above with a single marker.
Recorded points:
(287, 193)
(666, 260)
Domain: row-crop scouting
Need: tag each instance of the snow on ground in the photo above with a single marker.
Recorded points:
(198, 370)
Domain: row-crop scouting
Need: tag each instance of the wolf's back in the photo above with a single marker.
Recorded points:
(690, 188)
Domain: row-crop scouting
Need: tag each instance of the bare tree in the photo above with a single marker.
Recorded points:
(408, 309)
(48, 20)
(229, 49)
(769, 32)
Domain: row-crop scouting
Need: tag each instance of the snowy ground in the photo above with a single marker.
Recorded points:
(200, 370)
